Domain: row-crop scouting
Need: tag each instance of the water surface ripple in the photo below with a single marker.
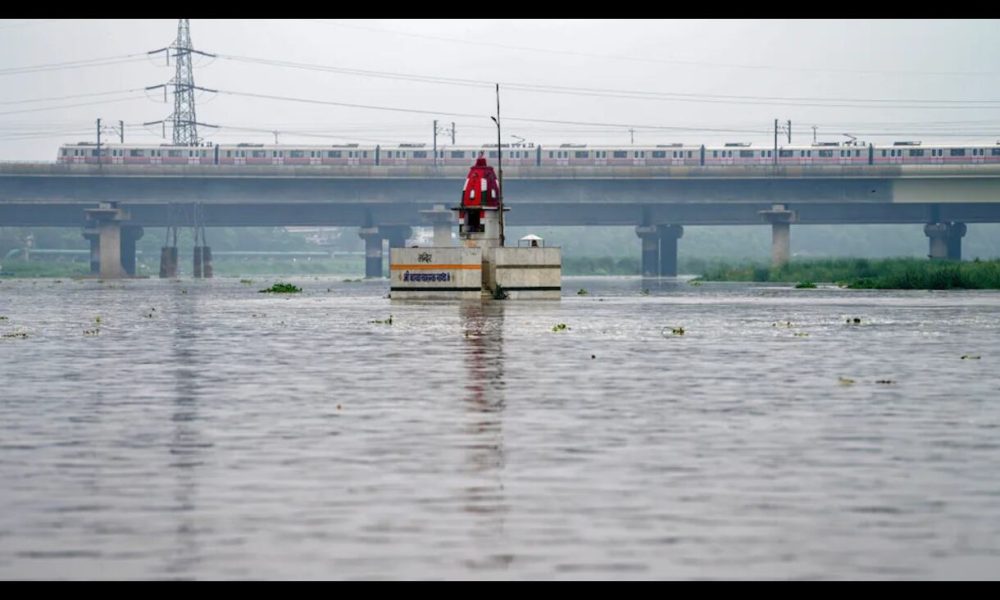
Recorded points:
(202, 430)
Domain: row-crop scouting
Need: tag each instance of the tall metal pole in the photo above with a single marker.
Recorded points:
(452, 133)
(435, 143)
(789, 131)
(98, 142)
(121, 131)
(500, 166)
(775, 142)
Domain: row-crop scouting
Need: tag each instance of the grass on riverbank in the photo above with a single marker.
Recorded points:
(862, 273)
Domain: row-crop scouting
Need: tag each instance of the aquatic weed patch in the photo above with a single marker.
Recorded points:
(282, 288)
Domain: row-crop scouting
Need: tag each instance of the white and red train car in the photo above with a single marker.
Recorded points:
(530, 155)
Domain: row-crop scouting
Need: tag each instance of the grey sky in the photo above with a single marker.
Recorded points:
(833, 62)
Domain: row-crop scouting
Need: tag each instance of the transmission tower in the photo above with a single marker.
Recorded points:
(185, 123)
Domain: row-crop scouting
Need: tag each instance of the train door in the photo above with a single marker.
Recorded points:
(638, 158)
(353, 158)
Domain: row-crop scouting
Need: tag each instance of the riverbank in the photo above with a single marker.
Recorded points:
(862, 273)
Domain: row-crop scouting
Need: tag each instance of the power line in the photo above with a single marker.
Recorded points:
(76, 64)
(54, 98)
(670, 61)
(700, 98)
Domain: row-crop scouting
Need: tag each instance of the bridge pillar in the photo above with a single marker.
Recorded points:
(94, 237)
(207, 270)
(441, 219)
(129, 236)
(650, 261)
(396, 234)
(107, 219)
(945, 240)
(781, 220)
(168, 262)
(669, 234)
(373, 251)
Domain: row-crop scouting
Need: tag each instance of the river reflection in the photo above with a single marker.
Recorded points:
(485, 403)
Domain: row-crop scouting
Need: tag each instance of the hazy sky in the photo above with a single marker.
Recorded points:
(724, 80)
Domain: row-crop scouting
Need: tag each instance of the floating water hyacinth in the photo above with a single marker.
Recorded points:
(282, 288)
(560, 327)
(385, 322)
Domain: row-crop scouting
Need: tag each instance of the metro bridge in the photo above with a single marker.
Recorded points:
(384, 202)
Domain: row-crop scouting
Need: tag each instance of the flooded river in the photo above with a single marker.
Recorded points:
(203, 430)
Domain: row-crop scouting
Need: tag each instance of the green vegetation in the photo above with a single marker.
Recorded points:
(805, 285)
(582, 292)
(37, 268)
(863, 273)
(560, 327)
(282, 288)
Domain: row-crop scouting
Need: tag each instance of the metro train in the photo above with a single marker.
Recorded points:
(529, 155)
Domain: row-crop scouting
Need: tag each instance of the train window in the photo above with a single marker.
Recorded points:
(916, 152)
(995, 151)
(419, 154)
(642, 154)
(65, 152)
(746, 153)
(258, 153)
(582, 155)
(689, 154)
(958, 151)
(883, 153)
(620, 154)
(826, 153)
(458, 154)
(715, 154)
(135, 153)
(333, 154)
(662, 154)
(296, 154)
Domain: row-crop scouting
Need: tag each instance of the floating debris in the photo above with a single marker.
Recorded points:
(3, 318)
(582, 292)
(246, 281)
(593, 356)
(970, 357)
(885, 381)
(16, 334)
(385, 322)
(853, 321)
(95, 331)
(560, 327)
(785, 324)
(800, 334)
(97, 319)
(845, 381)
(695, 282)
(282, 288)
(338, 407)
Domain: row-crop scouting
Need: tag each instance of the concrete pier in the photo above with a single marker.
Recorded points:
(168, 262)
(129, 236)
(92, 236)
(945, 240)
(669, 234)
(650, 237)
(107, 219)
(207, 270)
(780, 219)
(441, 219)
(396, 234)
(197, 263)
(373, 251)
